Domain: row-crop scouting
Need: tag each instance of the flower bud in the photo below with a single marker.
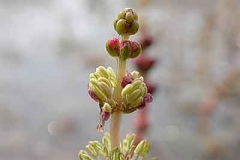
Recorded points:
(142, 148)
(100, 92)
(121, 26)
(134, 27)
(101, 84)
(102, 71)
(112, 47)
(128, 142)
(100, 148)
(136, 103)
(136, 49)
(126, 22)
(147, 99)
(107, 108)
(135, 16)
(121, 15)
(129, 17)
(84, 156)
(135, 74)
(115, 23)
(106, 141)
(105, 115)
(92, 149)
(125, 49)
(92, 95)
(105, 112)
(115, 154)
(133, 95)
(127, 80)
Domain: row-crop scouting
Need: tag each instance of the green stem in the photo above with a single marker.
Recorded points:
(117, 113)
(115, 129)
(121, 72)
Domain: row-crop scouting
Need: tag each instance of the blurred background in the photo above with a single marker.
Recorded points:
(49, 47)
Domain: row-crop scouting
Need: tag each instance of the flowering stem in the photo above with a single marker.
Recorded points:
(115, 129)
(117, 113)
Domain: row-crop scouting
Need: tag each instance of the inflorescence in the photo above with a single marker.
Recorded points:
(123, 92)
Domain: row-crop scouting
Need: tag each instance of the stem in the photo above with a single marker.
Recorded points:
(115, 129)
(117, 113)
(121, 71)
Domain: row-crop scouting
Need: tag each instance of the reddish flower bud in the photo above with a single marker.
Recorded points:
(136, 49)
(112, 47)
(93, 95)
(105, 115)
(147, 99)
(127, 80)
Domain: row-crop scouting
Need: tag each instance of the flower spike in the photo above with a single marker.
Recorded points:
(118, 94)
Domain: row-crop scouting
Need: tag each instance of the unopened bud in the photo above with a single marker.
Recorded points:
(107, 108)
(112, 47)
(115, 154)
(147, 99)
(129, 17)
(102, 71)
(133, 95)
(126, 22)
(127, 80)
(103, 116)
(134, 27)
(121, 26)
(100, 148)
(115, 24)
(135, 16)
(84, 156)
(121, 15)
(106, 141)
(92, 148)
(142, 148)
(128, 143)
(125, 49)
(93, 95)
(136, 49)
(135, 74)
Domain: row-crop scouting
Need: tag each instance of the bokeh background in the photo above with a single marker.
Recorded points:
(49, 47)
